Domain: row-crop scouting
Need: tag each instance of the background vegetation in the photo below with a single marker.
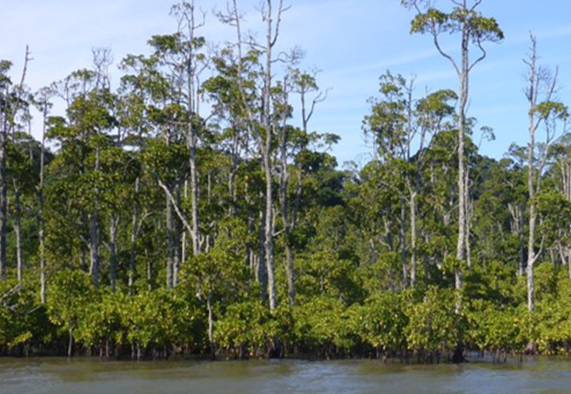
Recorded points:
(193, 210)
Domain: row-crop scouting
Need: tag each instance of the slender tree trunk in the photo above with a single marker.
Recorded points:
(191, 136)
(70, 343)
(18, 231)
(94, 248)
(261, 269)
(267, 161)
(3, 195)
(531, 256)
(211, 326)
(149, 272)
(269, 234)
(41, 219)
(194, 201)
(413, 238)
(464, 84)
(403, 242)
(183, 241)
(469, 203)
(177, 230)
(521, 269)
(170, 243)
(283, 186)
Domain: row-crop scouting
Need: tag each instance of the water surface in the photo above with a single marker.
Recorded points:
(89, 376)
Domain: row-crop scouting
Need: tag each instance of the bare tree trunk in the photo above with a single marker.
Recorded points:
(41, 219)
(261, 269)
(464, 86)
(194, 200)
(183, 242)
(531, 255)
(283, 186)
(211, 326)
(18, 231)
(177, 230)
(170, 243)
(263, 128)
(3, 193)
(413, 238)
(521, 269)
(192, 135)
(403, 242)
(469, 209)
(266, 157)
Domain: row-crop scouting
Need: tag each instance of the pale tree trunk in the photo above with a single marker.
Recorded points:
(271, 37)
(170, 242)
(536, 78)
(413, 238)
(565, 166)
(517, 212)
(283, 185)
(42, 251)
(18, 231)
(261, 267)
(177, 251)
(464, 85)
(265, 134)
(469, 214)
(3, 193)
(531, 183)
(94, 248)
(6, 111)
(522, 240)
(531, 254)
(403, 242)
(183, 240)
(194, 197)
(211, 326)
(188, 17)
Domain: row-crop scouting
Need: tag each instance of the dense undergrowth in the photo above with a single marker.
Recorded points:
(419, 324)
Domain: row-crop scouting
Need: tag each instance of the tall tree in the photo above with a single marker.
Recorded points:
(263, 127)
(475, 30)
(12, 101)
(542, 110)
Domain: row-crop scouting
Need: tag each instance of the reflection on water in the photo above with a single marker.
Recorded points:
(88, 376)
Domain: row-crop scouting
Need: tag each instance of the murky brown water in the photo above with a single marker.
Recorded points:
(88, 376)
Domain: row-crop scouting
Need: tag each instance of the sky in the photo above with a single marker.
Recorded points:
(351, 42)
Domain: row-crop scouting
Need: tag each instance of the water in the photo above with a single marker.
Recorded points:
(88, 376)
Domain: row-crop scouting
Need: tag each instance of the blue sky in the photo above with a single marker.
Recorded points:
(352, 42)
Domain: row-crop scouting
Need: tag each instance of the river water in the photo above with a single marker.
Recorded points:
(88, 376)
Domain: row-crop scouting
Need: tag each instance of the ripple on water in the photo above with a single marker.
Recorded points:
(88, 376)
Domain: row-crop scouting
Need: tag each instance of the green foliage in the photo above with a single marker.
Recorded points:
(434, 326)
(383, 320)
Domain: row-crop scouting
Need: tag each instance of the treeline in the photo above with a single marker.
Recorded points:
(192, 210)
